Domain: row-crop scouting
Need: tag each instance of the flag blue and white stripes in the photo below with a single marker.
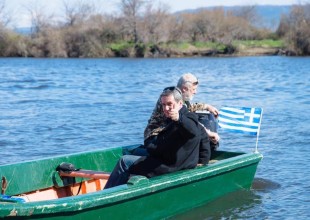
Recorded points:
(240, 119)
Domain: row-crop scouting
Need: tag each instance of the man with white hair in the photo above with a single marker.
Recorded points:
(188, 84)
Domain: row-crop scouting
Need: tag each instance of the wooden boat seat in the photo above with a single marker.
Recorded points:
(92, 174)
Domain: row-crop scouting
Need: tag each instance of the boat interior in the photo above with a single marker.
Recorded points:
(92, 181)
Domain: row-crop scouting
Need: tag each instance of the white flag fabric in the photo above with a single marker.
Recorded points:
(240, 119)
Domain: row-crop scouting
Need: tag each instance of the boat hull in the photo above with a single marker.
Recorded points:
(154, 198)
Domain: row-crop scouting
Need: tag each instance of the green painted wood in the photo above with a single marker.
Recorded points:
(38, 174)
(154, 198)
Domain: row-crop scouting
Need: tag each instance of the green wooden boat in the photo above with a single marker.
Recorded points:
(34, 189)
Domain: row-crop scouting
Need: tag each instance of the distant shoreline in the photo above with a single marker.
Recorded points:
(174, 51)
(256, 51)
(265, 47)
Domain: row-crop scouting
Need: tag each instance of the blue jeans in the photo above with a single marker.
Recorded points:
(140, 151)
(120, 174)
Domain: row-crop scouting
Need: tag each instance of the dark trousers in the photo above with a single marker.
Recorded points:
(121, 174)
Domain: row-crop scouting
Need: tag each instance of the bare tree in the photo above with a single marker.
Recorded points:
(39, 18)
(197, 25)
(5, 17)
(77, 12)
(176, 26)
(295, 29)
(153, 26)
(214, 20)
(247, 13)
(130, 10)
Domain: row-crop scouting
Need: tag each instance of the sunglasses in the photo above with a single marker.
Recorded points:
(194, 83)
(172, 88)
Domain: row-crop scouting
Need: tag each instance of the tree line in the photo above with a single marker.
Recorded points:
(145, 29)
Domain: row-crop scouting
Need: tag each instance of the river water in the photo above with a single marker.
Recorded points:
(51, 107)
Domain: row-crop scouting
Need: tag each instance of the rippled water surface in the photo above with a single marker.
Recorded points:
(50, 107)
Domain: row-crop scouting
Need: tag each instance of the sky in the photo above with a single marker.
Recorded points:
(21, 16)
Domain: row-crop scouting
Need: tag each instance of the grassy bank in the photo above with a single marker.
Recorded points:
(183, 49)
(267, 43)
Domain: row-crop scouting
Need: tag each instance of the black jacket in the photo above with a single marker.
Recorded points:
(177, 147)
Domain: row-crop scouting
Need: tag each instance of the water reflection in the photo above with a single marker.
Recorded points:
(260, 184)
(234, 205)
(230, 206)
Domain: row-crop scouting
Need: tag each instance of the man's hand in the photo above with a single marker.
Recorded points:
(213, 110)
(214, 137)
(174, 114)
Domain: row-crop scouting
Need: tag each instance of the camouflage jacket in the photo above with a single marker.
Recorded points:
(158, 122)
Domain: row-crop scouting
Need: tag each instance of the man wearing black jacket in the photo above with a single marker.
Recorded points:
(179, 146)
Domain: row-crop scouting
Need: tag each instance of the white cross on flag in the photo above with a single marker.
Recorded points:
(240, 119)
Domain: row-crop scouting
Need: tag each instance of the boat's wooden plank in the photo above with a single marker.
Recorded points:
(92, 174)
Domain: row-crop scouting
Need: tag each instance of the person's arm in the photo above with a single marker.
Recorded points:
(213, 136)
(204, 149)
(203, 106)
(154, 123)
(188, 122)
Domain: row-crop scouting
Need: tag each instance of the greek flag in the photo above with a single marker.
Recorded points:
(240, 119)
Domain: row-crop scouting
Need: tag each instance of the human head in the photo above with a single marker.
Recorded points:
(188, 84)
(171, 99)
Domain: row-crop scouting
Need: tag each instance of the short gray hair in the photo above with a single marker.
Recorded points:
(175, 91)
(187, 78)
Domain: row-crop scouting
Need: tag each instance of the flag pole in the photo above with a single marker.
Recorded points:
(261, 117)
